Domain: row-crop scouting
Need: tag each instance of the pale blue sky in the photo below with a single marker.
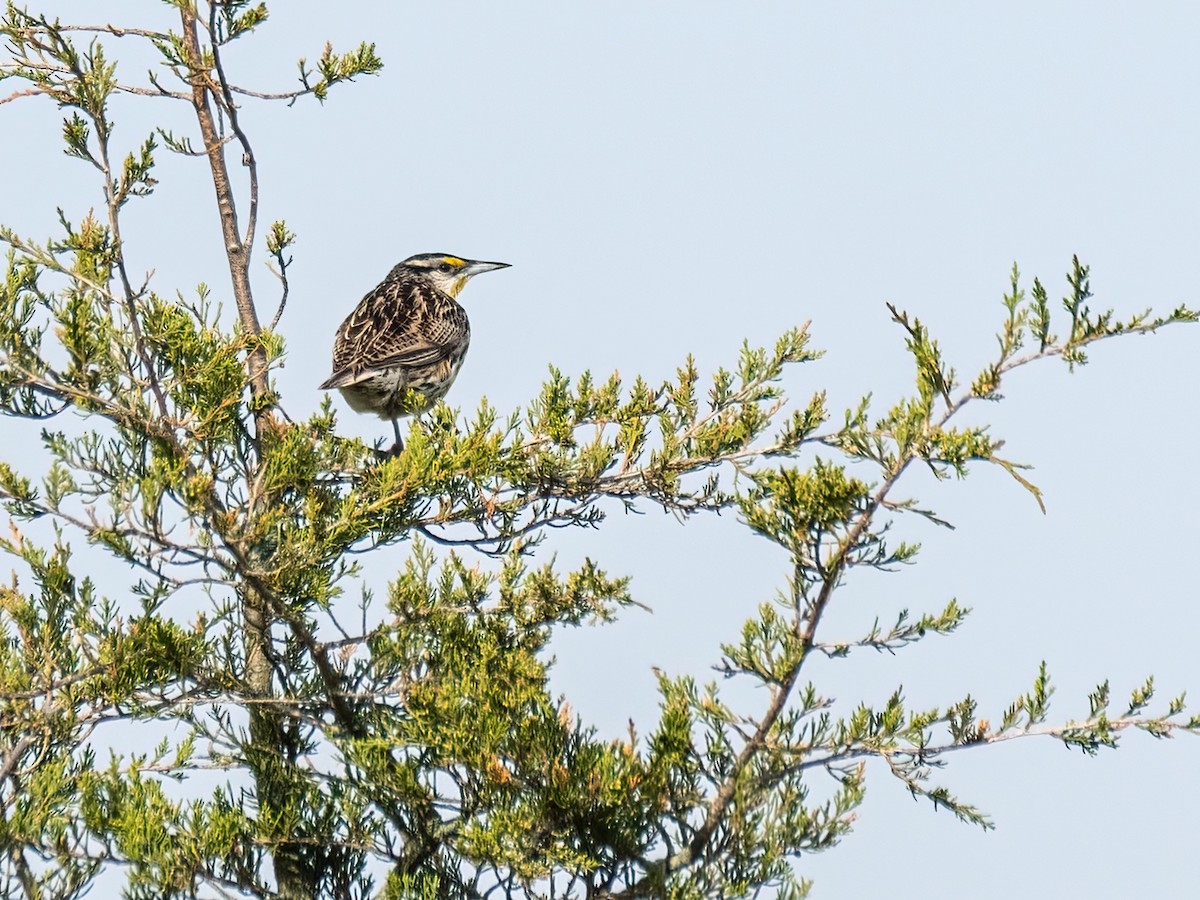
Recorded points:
(669, 178)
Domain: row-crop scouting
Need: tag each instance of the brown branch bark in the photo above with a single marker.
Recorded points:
(274, 741)
(237, 251)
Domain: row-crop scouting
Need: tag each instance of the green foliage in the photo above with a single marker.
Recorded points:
(332, 68)
(415, 740)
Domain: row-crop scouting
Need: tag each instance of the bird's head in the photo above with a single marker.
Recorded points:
(448, 273)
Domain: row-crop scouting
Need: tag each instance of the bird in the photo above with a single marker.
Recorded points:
(402, 347)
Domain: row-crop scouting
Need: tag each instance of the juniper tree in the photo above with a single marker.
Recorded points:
(411, 747)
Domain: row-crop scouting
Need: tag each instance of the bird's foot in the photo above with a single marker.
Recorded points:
(389, 453)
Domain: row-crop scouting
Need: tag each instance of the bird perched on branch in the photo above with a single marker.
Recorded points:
(400, 350)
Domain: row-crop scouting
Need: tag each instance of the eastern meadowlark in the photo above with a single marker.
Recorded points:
(400, 350)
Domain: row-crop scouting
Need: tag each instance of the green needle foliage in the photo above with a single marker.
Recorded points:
(409, 747)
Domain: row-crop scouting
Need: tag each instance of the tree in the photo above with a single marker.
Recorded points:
(412, 747)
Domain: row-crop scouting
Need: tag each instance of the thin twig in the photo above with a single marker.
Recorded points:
(281, 274)
(130, 298)
(28, 92)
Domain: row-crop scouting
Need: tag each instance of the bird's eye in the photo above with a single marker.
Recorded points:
(445, 267)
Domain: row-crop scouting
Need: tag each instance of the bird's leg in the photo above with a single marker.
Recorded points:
(396, 450)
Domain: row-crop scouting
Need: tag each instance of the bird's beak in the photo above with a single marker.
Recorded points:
(475, 267)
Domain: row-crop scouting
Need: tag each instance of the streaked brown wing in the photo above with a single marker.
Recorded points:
(416, 357)
(398, 324)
